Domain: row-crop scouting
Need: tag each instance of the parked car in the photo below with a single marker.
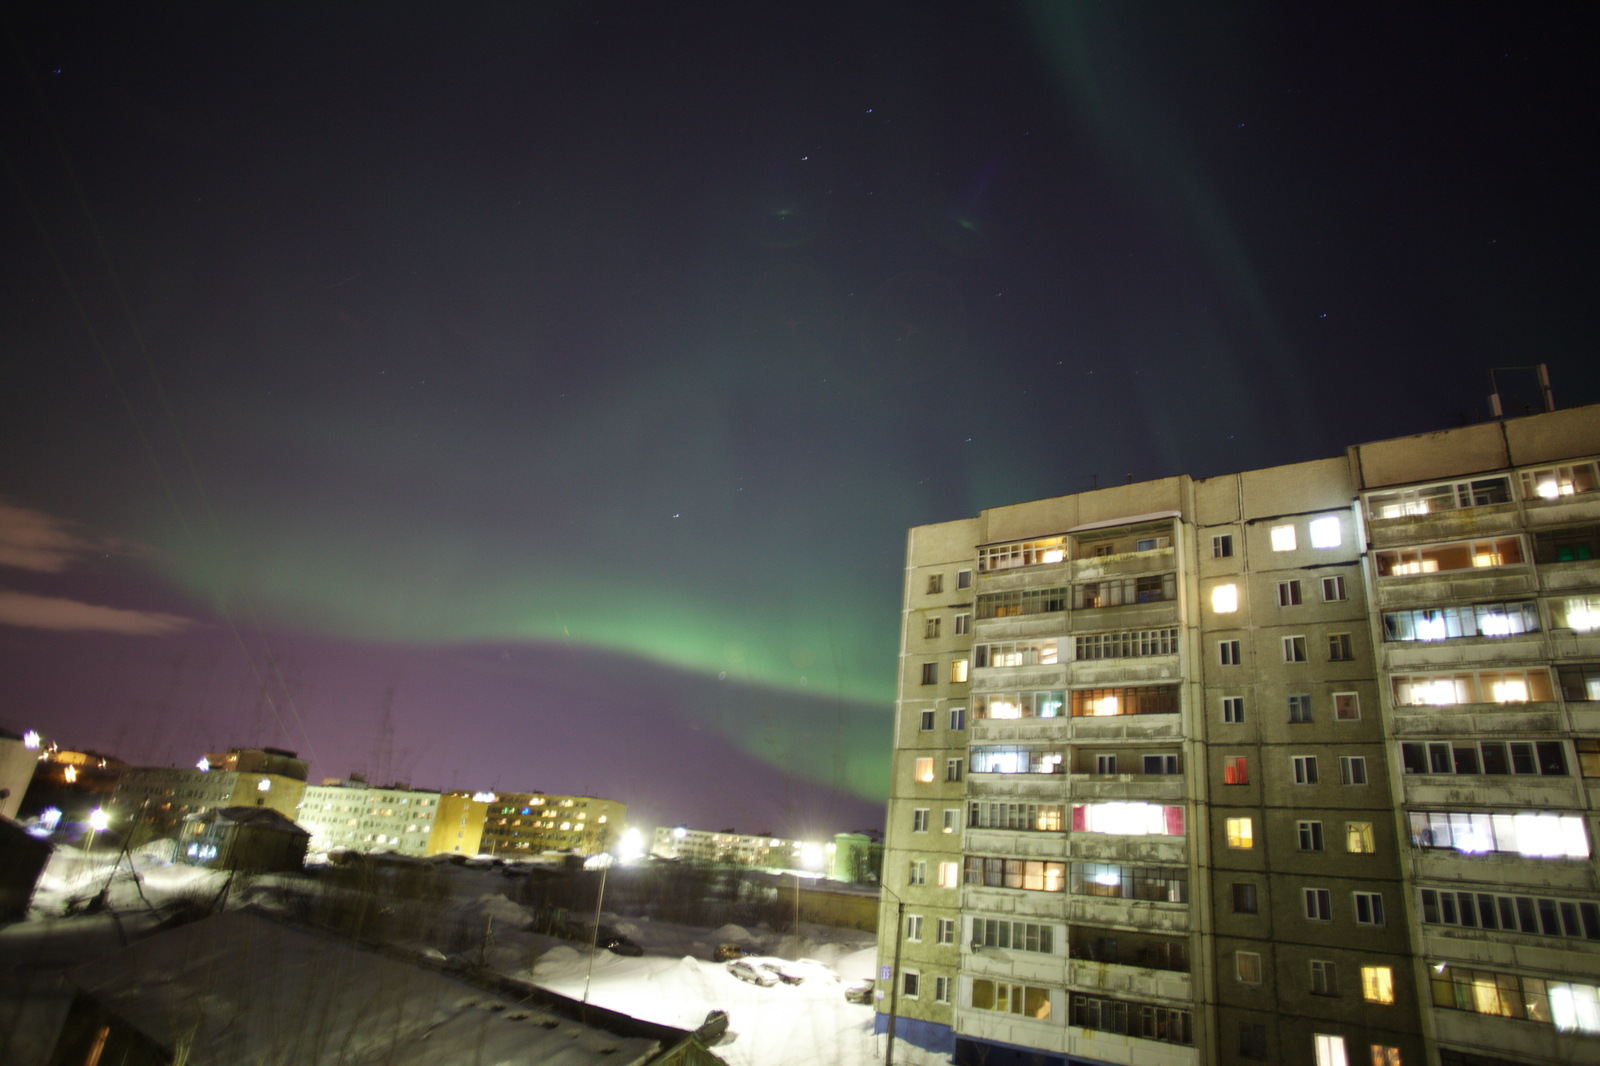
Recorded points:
(620, 945)
(728, 952)
(714, 1028)
(859, 991)
(756, 975)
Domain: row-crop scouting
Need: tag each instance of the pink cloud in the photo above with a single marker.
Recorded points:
(34, 540)
(52, 612)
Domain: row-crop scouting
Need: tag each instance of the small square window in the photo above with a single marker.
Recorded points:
(1105, 764)
(1241, 832)
(1222, 546)
(918, 874)
(1310, 835)
(910, 984)
(1283, 539)
(1332, 589)
(935, 584)
(925, 721)
(963, 624)
(924, 770)
(1358, 838)
(1377, 984)
(1346, 706)
(1247, 967)
(958, 719)
(1299, 707)
(1236, 770)
(1245, 900)
(1289, 593)
(1225, 598)
(958, 672)
(913, 927)
(930, 673)
(941, 989)
(1318, 904)
(1324, 978)
(947, 930)
(1325, 532)
(949, 875)
(1369, 908)
(1305, 769)
(963, 579)
(1252, 1040)
(952, 819)
(1340, 648)
(1228, 652)
(1329, 1050)
(1294, 649)
(1233, 709)
(930, 628)
(1385, 1055)
(919, 820)
(952, 770)
(1352, 770)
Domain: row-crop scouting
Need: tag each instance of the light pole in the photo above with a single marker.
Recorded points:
(894, 971)
(98, 820)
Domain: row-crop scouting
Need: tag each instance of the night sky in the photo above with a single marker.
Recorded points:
(534, 396)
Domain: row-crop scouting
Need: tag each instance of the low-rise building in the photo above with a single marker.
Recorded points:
(763, 852)
(349, 813)
(533, 823)
(158, 797)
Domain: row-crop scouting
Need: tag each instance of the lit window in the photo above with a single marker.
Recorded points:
(1358, 838)
(1385, 1055)
(1247, 967)
(1283, 538)
(1346, 707)
(1225, 599)
(1377, 984)
(924, 770)
(958, 671)
(1236, 770)
(1128, 819)
(949, 875)
(1241, 833)
(1325, 532)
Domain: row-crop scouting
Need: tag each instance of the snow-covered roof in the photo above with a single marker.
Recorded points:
(257, 817)
(241, 988)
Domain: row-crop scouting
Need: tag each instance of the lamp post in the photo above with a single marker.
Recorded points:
(98, 820)
(894, 971)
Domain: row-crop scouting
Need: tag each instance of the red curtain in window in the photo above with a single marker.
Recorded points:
(1080, 819)
(1174, 821)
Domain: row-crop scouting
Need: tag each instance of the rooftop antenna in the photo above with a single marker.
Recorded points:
(1543, 372)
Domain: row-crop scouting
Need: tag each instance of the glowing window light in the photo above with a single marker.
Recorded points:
(1486, 558)
(1549, 489)
(264, 785)
(1225, 599)
(1004, 708)
(1574, 1008)
(1496, 624)
(1513, 690)
(70, 773)
(1431, 626)
(1325, 532)
(1105, 706)
(1053, 555)
(204, 765)
(30, 740)
(1283, 538)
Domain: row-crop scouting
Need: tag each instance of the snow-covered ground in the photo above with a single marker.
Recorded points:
(674, 982)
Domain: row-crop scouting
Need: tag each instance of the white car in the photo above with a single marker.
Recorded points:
(746, 970)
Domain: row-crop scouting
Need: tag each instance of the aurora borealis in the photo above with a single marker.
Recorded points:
(536, 396)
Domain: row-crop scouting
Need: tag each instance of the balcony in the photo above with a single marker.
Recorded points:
(1464, 719)
(1123, 564)
(1134, 982)
(1016, 843)
(1012, 678)
(1457, 586)
(1106, 847)
(1153, 788)
(1402, 655)
(1518, 790)
(1444, 525)
(1547, 877)
(1155, 916)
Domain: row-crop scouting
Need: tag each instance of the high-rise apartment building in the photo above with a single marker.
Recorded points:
(1292, 765)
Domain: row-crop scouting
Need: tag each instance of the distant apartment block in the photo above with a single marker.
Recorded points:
(533, 823)
(1295, 765)
(726, 847)
(159, 797)
(356, 816)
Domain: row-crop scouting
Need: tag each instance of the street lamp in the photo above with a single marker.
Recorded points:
(894, 971)
(98, 820)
